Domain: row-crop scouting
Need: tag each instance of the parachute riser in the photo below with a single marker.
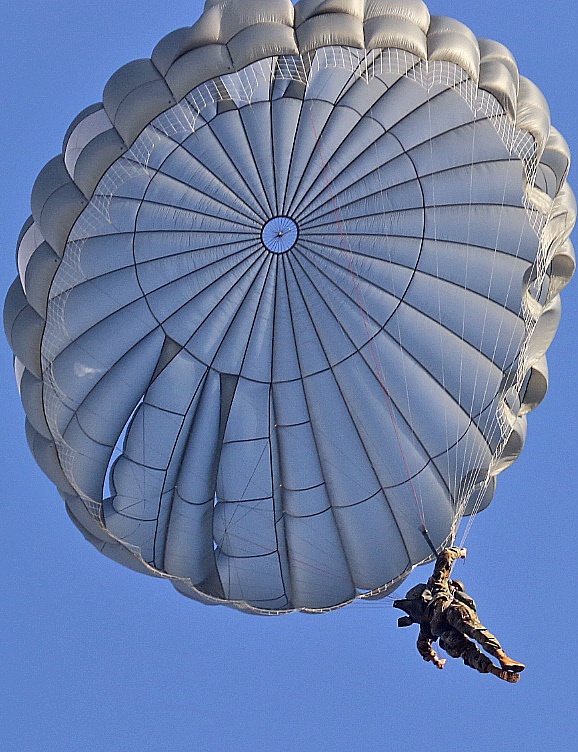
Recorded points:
(425, 533)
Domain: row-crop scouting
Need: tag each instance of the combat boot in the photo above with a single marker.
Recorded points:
(508, 676)
(508, 663)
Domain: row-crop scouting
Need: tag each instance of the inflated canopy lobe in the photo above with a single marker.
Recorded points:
(284, 300)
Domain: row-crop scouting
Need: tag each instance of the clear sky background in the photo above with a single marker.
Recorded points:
(97, 657)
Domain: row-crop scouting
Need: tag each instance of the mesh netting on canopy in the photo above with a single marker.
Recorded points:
(284, 299)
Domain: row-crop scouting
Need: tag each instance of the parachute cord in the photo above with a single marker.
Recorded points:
(510, 144)
(371, 339)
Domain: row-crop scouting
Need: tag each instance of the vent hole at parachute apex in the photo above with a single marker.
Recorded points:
(279, 234)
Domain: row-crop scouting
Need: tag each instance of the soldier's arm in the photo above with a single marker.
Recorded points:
(425, 648)
(443, 566)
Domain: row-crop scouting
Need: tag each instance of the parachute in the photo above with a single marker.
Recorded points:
(284, 299)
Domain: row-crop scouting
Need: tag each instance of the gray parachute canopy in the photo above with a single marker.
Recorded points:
(284, 299)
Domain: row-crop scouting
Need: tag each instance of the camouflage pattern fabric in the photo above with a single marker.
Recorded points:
(449, 616)
(459, 646)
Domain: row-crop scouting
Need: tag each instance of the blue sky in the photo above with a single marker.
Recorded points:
(96, 657)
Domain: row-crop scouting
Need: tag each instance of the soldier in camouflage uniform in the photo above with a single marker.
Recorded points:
(445, 612)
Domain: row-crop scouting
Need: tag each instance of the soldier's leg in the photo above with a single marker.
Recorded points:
(459, 646)
(467, 622)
